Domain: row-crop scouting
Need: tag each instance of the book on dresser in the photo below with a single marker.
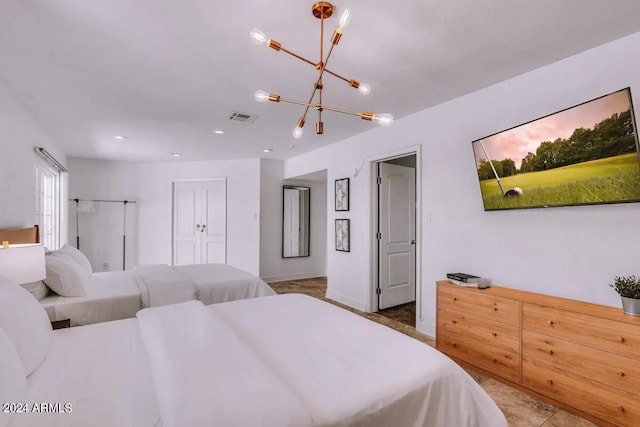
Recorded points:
(464, 277)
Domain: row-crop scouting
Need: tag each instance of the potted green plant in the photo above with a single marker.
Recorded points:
(629, 289)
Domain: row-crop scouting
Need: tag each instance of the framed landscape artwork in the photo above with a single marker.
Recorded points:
(584, 155)
(342, 194)
(343, 235)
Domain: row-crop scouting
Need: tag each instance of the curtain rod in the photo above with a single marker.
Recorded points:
(104, 201)
(49, 158)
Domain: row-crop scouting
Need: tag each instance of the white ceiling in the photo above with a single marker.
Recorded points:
(165, 73)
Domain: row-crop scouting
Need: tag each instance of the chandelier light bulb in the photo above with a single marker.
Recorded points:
(345, 18)
(383, 119)
(297, 132)
(364, 89)
(258, 37)
(261, 96)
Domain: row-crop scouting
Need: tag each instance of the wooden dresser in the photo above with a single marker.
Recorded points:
(582, 357)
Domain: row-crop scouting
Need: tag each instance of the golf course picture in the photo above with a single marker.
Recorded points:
(587, 154)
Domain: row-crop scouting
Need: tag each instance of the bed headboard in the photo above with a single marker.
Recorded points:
(21, 235)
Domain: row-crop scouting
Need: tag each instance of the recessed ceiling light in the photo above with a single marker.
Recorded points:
(218, 131)
(176, 154)
(120, 137)
(267, 150)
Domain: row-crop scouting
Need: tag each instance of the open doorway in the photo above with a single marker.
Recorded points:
(396, 238)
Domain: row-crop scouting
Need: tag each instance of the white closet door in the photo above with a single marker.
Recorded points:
(214, 223)
(187, 225)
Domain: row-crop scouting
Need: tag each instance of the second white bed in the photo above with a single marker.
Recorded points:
(116, 295)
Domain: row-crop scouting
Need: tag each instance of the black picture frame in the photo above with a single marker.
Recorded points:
(342, 190)
(343, 235)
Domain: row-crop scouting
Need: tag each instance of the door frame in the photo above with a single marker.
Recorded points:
(226, 211)
(373, 174)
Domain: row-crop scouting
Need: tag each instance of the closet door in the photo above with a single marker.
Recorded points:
(187, 225)
(214, 222)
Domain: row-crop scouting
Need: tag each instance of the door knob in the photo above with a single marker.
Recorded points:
(197, 227)
(203, 227)
(413, 242)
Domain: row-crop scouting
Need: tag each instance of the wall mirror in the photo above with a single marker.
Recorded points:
(296, 203)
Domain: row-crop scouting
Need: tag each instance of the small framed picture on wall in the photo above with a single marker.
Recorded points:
(342, 194)
(343, 243)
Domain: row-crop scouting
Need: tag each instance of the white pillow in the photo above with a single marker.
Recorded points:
(38, 289)
(12, 377)
(26, 323)
(65, 276)
(77, 256)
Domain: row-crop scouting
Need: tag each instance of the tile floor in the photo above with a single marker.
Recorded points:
(520, 409)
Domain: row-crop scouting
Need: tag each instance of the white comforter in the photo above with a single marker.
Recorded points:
(161, 285)
(292, 360)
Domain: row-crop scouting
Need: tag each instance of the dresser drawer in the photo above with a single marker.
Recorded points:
(476, 303)
(498, 334)
(612, 369)
(499, 362)
(599, 400)
(609, 335)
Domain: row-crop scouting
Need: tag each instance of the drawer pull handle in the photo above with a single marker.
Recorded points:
(621, 373)
(495, 360)
(620, 408)
(454, 321)
(454, 344)
(495, 308)
(621, 339)
(550, 322)
(494, 334)
(550, 351)
(550, 382)
(455, 298)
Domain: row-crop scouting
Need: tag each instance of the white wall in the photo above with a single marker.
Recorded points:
(19, 133)
(150, 185)
(272, 266)
(571, 251)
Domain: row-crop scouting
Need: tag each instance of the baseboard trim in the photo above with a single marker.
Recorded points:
(358, 305)
(427, 329)
(295, 276)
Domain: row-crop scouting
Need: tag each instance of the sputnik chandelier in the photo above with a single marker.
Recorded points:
(321, 10)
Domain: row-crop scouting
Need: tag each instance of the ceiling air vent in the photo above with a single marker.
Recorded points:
(242, 117)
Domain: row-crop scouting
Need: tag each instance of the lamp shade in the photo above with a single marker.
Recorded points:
(23, 263)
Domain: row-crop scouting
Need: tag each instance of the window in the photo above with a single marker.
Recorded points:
(47, 204)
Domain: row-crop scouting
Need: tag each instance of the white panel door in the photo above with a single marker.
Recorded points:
(397, 225)
(187, 225)
(200, 222)
(214, 224)
(291, 223)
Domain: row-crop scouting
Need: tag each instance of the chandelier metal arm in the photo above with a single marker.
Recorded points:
(295, 55)
(315, 64)
(315, 86)
(324, 107)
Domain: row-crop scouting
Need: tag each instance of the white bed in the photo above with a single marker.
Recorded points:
(287, 360)
(116, 295)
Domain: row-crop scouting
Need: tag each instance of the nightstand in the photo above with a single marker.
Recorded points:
(60, 324)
